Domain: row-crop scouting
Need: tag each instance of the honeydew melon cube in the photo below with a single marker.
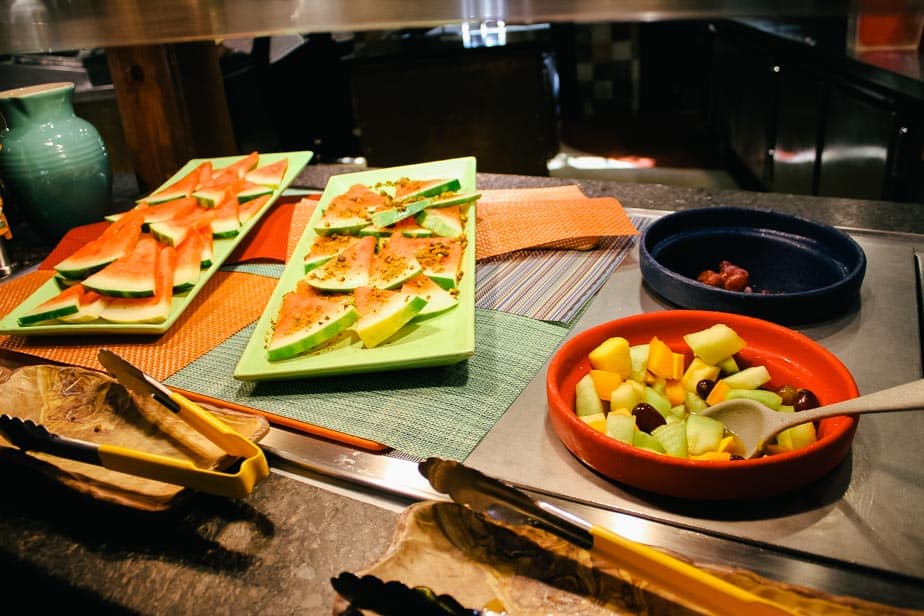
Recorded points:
(638, 357)
(627, 395)
(703, 434)
(693, 402)
(765, 397)
(715, 343)
(612, 354)
(749, 378)
(586, 400)
(673, 438)
(620, 427)
(728, 365)
(643, 440)
(658, 401)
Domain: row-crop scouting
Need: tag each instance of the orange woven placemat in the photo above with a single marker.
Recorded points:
(227, 303)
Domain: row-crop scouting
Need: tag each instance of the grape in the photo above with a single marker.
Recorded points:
(805, 399)
(647, 418)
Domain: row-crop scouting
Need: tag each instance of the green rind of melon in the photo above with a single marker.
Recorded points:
(395, 214)
(51, 310)
(248, 194)
(380, 325)
(438, 303)
(85, 313)
(343, 226)
(209, 197)
(374, 231)
(457, 199)
(163, 197)
(450, 185)
(438, 223)
(185, 276)
(76, 269)
(223, 231)
(121, 286)
(298, 342)
(168, 232)
(316, 262)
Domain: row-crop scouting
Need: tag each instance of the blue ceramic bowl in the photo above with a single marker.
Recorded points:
(800, 271)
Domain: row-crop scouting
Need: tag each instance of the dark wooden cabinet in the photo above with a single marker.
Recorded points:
(795, 118)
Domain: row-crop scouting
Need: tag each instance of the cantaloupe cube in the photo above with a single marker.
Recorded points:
(718, 393)
(662, 361)
(613, 355)
(605, 382)
(675, 392)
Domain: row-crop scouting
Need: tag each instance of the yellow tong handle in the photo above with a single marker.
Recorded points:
(183, 472)
(688, 583)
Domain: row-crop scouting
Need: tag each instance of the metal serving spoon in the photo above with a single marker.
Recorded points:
(754, 424)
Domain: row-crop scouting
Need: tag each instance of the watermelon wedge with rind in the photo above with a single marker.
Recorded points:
(409, 190)
(383, 313)
(212, 196)
(348, 270)
(453, 199)
(227, 220)
(182, 187)
(440, 258)
(250, 191)
(235, 171)
(64, 303)
(439, 300)
(188, 263)
(115, 242)
(391, 215)
(325, 247)
(269, 175)
(154, 309)
(394, 264)
(248, 209)
(90, 308)
(445, 222)
(133, 275)
(307, 318)
(349, 212)
(172, 232)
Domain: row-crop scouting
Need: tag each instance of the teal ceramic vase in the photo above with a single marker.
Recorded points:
(53, 165)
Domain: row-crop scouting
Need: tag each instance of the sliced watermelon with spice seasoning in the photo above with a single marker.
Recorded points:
(440, 257)
(445, 221)
(133, 275)
(154, 309)
(325, 247)
(348, 270)
(307, 318)
(347, 213)
(407, 189)
(439, 300)
(394, 264)
(115, 242)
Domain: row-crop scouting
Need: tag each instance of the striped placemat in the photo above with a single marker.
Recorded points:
(550, 285)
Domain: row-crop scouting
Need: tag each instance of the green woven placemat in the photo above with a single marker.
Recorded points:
(443, 411)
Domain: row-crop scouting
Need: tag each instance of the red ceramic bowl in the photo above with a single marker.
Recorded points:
(790, 357)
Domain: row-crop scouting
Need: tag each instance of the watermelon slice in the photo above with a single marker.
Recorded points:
(249, 190)
(383, 313)
(173, 231)
(386, 216)
(208, 247)
(326, 247)
(182, 187)
(453, 199)
(409, 190)
(308, 318)
(153, 309)
(133, 275)
(116, 241)
(444, 221)
(90, 308)
(188, 263)
(64, 303)
(269, 175)
(235, 171)
(227, 219)
(168, 210)
(348, 270)
(439, 300)
(349, 212)
(248, 209)
(393, 265)
(440, 257)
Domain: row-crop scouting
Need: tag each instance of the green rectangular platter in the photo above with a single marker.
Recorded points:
(222, 250)
(443, 339)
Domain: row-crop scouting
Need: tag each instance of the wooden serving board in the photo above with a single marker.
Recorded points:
(527, 571)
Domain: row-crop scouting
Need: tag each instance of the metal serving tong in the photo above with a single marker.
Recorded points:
(237, 482)
(648, 566)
